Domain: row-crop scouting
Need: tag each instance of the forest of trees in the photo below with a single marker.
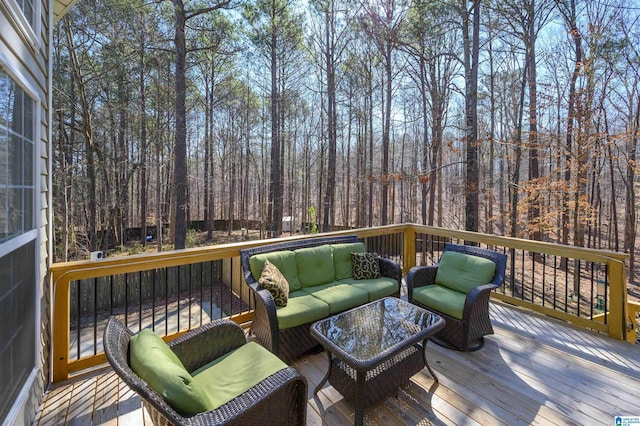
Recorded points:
(510, 117)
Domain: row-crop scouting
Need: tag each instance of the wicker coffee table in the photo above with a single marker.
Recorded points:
(375, 348)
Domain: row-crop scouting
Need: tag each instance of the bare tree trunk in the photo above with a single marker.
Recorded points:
(471, 55)
(179, 225)
(143, 141)
(87, 132)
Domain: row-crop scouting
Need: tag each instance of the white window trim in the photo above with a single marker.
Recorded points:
(29, 33)
(16, 413)
(17, 242)
(10, 68)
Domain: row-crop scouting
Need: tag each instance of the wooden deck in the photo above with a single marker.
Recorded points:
(532, 371)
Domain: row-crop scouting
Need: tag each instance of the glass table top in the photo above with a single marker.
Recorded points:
(371, 330)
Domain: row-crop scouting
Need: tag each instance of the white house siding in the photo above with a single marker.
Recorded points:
(25, 57)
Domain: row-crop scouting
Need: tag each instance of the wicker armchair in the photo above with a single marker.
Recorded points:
(281, 398)
(466, 333)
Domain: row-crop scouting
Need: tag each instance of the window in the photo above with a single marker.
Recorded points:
(16, 160)
(17, 315)
(26, 17)
(18, 241)
(27, 8)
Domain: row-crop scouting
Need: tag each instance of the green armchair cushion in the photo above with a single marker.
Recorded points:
(284, 260)
(273, 280)
(152, 359)
(442, 299)
(315, 265)
(236, 372)
(365, 266)
(342, 258)
(462, 272)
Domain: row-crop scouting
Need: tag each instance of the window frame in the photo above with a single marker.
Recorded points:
(33, 235)
(31, 33)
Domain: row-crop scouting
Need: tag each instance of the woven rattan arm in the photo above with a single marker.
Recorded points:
(475, 300)
(199, 346)
(265, 321)
(390, 269)
(420, 276)
(279, 399)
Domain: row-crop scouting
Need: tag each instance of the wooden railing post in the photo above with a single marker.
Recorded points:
(61, 317)
(618, 300)
(632, 310)
(409, 250)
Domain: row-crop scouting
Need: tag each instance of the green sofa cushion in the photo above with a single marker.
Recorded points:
(442, 299)
(463, 272)
(152, 359)
(284, 260)
(315, 266)
(236, 372)
(342, 258)
(376, 288)
(339, 296)
(302, 308)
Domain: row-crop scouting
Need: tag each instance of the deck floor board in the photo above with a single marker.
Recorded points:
(533, 370)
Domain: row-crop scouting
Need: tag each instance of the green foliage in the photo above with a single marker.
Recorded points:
(312, 214)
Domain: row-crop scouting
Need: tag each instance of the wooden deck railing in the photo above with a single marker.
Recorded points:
(584, 286)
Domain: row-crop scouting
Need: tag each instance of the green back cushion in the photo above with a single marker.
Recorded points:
(315, 265)
(155, 363)
(342, 258)
(233, 374)
(284, 260)
(463, 272)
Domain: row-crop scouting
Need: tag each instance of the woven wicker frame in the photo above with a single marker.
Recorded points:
(281, 397)
(290, 343)
(382, 381)
(468, 333)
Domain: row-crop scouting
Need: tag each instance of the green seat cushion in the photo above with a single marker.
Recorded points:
(315, 265)
(236, 372)
(339, 296)
(442, 299)
(302, 308)
(376, 288)
(152, 359)
(342, 258)
(462, 272)
(284, 260)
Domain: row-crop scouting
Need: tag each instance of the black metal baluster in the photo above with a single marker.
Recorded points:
(555, 281)
(154, 274)
(126, 300)
(166, 301)
(544, 278)
(533, 276)
(139, 300)
(577, 275)
(95, 316)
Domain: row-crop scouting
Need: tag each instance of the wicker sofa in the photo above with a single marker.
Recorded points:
(321, 284)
